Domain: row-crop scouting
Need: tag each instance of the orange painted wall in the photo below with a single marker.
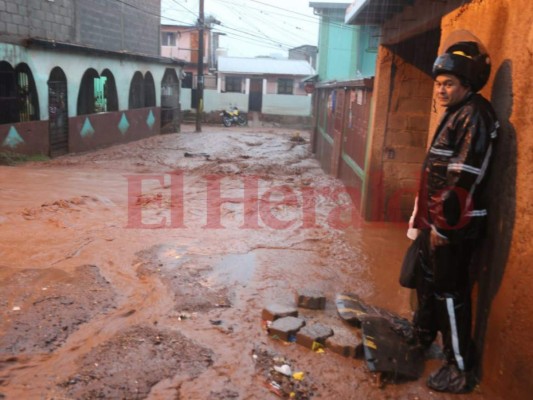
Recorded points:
(505, 310)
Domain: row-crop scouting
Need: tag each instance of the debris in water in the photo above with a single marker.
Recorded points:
(284, 369)
(299, 376)
(276, 311)
(311, 299)
(187, 154)
(297, 138)
(279, 376)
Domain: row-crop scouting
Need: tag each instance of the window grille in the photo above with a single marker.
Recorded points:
(285, 86)
(136, 97)
(234, 84)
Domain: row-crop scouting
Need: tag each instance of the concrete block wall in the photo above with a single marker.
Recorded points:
(112, 25)
(408, 120)
(104, 24)
(54, 20)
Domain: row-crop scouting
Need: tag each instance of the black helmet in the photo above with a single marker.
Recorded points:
(468, 61)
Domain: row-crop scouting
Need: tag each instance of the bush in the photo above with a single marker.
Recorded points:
(10, 158)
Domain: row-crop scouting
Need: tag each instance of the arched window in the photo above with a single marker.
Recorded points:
(149, 90)
(97, 93)
(27, 93)
(110, 90)
(86, 97)
(18, 94)
(136, 98)
(8, 94)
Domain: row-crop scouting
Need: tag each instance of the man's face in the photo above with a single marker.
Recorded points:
(448, 90)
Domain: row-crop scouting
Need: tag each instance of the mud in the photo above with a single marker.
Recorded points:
(45, 307)
(138, 272)
(105, 372)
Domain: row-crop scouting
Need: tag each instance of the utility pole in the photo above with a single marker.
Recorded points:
(200, 78)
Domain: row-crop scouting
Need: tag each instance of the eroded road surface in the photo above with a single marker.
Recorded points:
(141, 270)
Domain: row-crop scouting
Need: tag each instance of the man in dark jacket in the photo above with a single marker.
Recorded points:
(451, 210)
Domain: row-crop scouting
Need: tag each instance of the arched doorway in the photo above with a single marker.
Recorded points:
(149, 90)
(8, 94)
(170, 102)
(136, 97)
(58, 112)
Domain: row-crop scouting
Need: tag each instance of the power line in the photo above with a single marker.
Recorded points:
(148, 12)
(262, 37)
(268, 20)
(185, 8)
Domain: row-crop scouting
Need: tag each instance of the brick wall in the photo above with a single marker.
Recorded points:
(408, 122)
(404, 105)
(131, 25)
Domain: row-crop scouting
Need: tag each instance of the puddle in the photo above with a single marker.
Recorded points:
(172, 257)
(233, 269)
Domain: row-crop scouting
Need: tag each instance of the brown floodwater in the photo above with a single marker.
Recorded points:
(136, 271)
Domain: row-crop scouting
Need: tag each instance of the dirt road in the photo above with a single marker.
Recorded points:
(141, 270)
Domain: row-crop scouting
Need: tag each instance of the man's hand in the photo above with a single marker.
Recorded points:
(437, 240)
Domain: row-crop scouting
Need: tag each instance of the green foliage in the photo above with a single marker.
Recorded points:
(10, 158)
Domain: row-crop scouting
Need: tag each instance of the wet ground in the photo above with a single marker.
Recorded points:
(141, 270)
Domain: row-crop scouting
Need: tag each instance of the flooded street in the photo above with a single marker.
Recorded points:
(141, 270)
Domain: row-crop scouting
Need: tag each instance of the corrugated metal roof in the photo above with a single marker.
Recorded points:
(241, 65)
(332, 4)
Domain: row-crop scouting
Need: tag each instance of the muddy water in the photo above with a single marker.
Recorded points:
(138, 272)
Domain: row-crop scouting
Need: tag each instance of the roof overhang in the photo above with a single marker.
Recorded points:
(365, 83)
(373, 12)
(311, 78)
(83, 49)
(329, 5)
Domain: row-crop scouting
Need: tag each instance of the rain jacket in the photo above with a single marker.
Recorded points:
(452, 195)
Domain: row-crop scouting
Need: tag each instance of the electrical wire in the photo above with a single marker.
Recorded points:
(196, 15)
(261, 37)
(149, 12)
(262, 15)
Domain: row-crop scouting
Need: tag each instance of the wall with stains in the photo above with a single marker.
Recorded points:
(504, 323)
(131, 26)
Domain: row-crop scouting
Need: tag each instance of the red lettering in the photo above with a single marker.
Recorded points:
(135, 207)
(337, 216)
(177, 205)
(267, 204)
(215, 201)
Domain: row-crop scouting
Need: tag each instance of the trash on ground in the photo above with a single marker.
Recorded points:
(284, 369)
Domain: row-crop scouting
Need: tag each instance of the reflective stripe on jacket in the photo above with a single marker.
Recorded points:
(451, 196)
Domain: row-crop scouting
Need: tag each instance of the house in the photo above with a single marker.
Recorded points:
(265, 85)
(75, 76)
(344, 52)
(305, 52)
(343, 95)
(181, 43)
(402, 119)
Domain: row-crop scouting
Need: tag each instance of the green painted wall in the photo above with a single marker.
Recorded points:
(344, 51)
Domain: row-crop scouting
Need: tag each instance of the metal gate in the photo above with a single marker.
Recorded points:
(58, 117)
(8, 95)
(170, 105)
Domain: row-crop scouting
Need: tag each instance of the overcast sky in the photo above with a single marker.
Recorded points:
(252, 27)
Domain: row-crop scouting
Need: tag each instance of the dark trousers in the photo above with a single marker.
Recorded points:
(444, 299)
